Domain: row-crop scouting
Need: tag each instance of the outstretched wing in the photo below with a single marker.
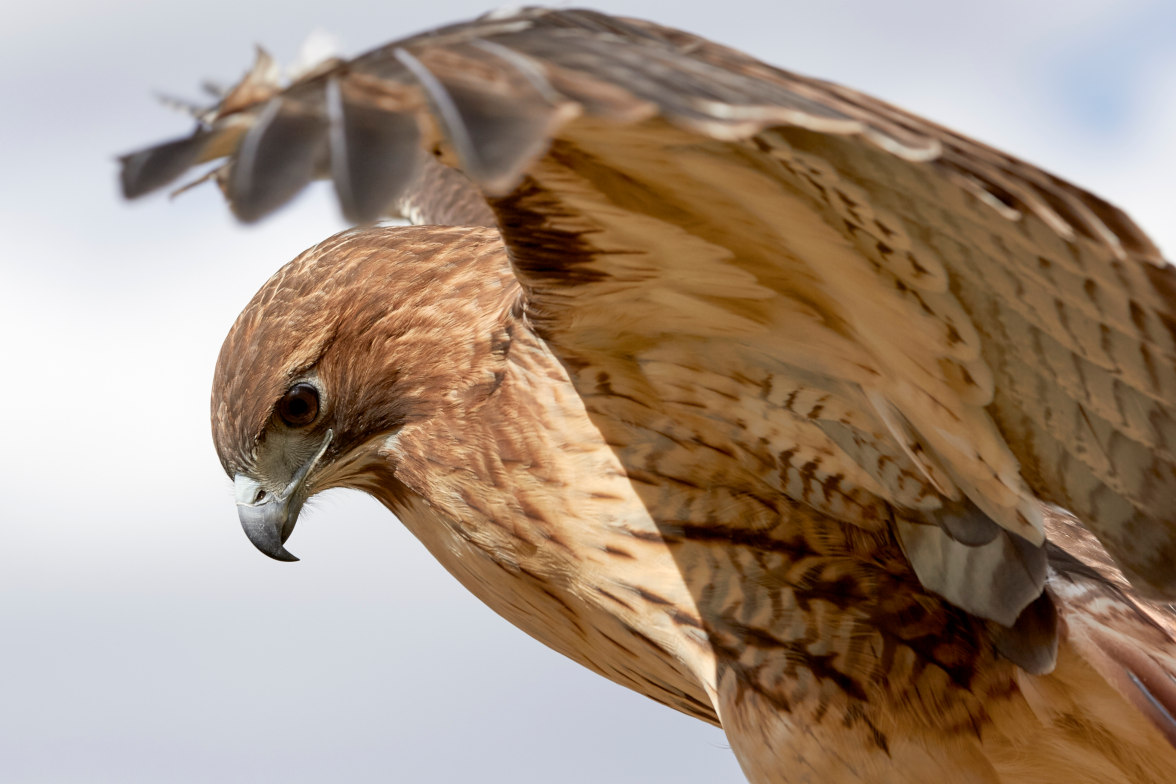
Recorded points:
(823, 295)
(276, 145)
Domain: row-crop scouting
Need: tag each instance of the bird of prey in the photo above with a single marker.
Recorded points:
(759, 396)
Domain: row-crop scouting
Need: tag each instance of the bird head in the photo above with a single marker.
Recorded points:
(370, 332)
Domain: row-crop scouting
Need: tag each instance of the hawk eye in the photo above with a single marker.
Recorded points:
(299, 406)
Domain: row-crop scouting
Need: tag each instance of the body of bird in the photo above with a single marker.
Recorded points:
(753, 394)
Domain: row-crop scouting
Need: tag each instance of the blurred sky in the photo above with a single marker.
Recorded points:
(142, 638)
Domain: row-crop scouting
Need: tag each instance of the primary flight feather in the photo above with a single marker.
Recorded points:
(766, 399)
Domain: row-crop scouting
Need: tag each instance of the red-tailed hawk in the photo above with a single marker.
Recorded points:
(750, 392)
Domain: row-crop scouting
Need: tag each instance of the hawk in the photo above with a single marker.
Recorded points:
(766, 399)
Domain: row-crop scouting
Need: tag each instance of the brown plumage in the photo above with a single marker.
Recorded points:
(764, 398)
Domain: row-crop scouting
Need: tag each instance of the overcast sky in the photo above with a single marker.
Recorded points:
(142, 638)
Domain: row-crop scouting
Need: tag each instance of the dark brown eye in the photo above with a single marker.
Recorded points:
(299, 406)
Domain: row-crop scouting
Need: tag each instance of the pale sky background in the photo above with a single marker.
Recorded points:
(142, 638)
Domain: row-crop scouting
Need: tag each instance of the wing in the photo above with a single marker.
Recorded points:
(834, 299)
(276, 144)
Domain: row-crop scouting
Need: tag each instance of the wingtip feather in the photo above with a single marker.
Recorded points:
(147, 170)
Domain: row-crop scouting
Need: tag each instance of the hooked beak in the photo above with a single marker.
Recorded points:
(268, 518)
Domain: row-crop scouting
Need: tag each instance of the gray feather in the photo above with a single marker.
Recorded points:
(277, 158)
(1032, 642)
(155, 167)
(995, 581)
(964, 522)
(374, 153)
(495, 136)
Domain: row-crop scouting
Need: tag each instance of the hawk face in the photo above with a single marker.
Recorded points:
(270, 496)
(340, 350)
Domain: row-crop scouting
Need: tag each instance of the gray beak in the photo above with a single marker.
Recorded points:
(268, 517)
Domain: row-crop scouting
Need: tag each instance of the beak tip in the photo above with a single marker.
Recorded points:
(264, 526)
(268, 518)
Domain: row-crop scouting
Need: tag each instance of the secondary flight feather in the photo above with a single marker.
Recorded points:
(765, 398)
